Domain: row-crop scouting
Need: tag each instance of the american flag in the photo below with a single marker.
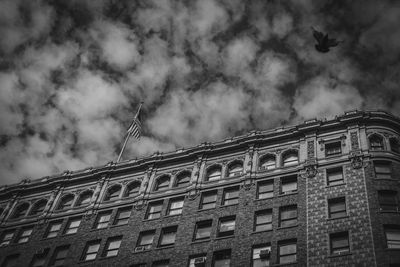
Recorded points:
(135, 128)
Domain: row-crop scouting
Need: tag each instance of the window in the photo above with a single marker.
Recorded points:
(335, 176)
(334, 148)
(387, 200)
(288, 216)
(20, 211)
(261, 256)
(235, 169)
(208, 200)
(132, 189)
(213, 174)
(231, 196)
(66, 202)
(39, 259)
(265, 189)
(268, 163)
(226, 226)
(53, 229)
(340, 243)
(6, 237)
(290, 158)
(10, 261)
(222, 258)
(113, 193)
(24, 235)
(383, 170)
(198, 260)
(376, 143)
(263, 220)
(84, 199)
(91, 249)
(175, 206)
(102, 220)
(394, 145)
(123, 216)
(112, 246)
(154, 210)
(287, 251)
(392, 234)
(72, 226)
(145, 240)
(161, 263)
(288, 184)
(168, 236)
(337, 207)
(39, 207)
(203, 230)
(59, 256)
(162, 183)
(183, 179)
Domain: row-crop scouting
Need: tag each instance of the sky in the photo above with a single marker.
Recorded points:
(72, 73)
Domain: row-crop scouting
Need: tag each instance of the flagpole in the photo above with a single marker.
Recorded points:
(128, 134)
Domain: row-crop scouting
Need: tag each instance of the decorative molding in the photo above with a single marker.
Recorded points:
(193, 194)
(354, 141)
(356, 159)
(248, 183)
(341, 138)
(310, 168)
(139, 205)
(310, 149)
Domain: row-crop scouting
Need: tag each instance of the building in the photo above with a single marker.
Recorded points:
(322, 193)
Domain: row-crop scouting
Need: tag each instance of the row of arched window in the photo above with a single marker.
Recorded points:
(377, 143)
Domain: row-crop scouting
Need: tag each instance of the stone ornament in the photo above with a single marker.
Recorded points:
(354, 141)
(248, 184)
(310, 169)
(356, 159)
(193, 194)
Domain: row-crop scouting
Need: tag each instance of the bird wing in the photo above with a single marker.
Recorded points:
(317, 35)
(332, 42)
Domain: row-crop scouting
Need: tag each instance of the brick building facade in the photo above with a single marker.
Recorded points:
(323, 193)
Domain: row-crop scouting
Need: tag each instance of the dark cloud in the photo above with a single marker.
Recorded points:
(73, 72)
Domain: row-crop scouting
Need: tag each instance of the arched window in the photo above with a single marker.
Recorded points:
(113, 193)
(132, 189)
(268, 162)
(84, 199)
(290, 158)
(66, 202)
(376, 142)
(235, 169)
(20, 211)
(162, 183)
(183, 179)
(213, 173)
(394, 145)
(38, 207)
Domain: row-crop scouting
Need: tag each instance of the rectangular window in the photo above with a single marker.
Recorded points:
(263, 220)
(59, 256)
(334, 148)
(287, 251)
(24, 234)
(123, 216)
(222, 258)
(203, 230)
(231, 196)
(6, 237)
(388, 200)
(10, 261)
(39, 259)
(112, 246)
(198, 260)
(161, 263)
(261, 256)
(339, 243)
(226, 226)
(288, 184)
(335, 176)
(145, 240)
(154, 210)
(208, 200)
(383, 170)
(337, 207)
(265, 189)
(102, 220)
(91, 249)
(175, 206)
(288, 216)
(53, 229)
(168, 236)
(72, 226)
(392, 237)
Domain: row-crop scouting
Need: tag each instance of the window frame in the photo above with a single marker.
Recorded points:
(390, 206)
(68, 228)
(122, 220)
(107, 249)
(98, 223)
(62, 203)
(172, 210)
(332, 171)
(170, 230)
(111, 193)
(255, 252)
(7, 241)
(264, 183)
(210, 173)
(208, 194)
(192, 259)
(226, 199)
(285, 243)
(260, 213)
(338, 213)
(383, 174)
(291, 221)
(287, 180)
(232, 167)
(11, 257)
(264, 162)
(205, 224)
(24, 234)
(130, 187)
(182, 176)
(158, 182)
(35, 210)
(286, 156)
(50, 231)
(79, 202)
(17, 213)
(42, 257)
(149, 214)
(86, 253)
(333, 148)
(146, 246)
(393, 229)
(374, 146)
(227, 220)
(339, 236)
(225, 254)
(56, 252)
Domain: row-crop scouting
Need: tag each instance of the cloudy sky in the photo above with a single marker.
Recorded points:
(73, 72)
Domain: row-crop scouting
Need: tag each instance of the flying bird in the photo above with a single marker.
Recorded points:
(324, 43)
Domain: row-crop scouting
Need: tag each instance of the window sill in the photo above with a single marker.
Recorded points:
(149, 220)
(285, 264)
(174, 215)
(334, 156)
(88, 261)
(340, 255)
(201, 240)
(261, 199)
(386, 179)
(288, 194)
(224, 206)
(343, 217)
(287, 227)
(329, 186)
(259, 232)
(224, 237)
(164, 247)
(199, 210)
(116, 225)
(106, 258)
(392, 249)
(98, 229)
